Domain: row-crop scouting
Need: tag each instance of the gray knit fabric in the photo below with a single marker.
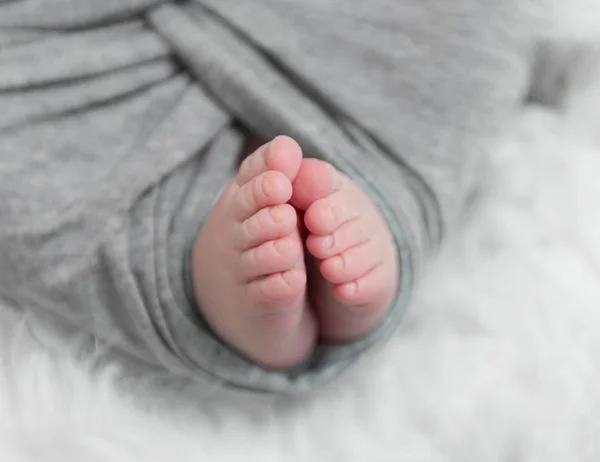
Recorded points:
(119, 126)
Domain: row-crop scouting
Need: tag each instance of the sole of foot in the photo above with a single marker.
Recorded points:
(248, 262)
(354, 258)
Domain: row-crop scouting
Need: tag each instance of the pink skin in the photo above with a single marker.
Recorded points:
(352, 248)
(248, 262)
(249, 268)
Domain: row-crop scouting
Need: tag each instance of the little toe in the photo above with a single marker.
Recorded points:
(265, 225)
(271, 257)
(351, 264)
(282, 154)
(350, 234)
(326, 215)
(364, 303)
(365, 290)
(268, 188)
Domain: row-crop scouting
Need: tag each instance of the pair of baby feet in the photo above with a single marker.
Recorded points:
(292, 252)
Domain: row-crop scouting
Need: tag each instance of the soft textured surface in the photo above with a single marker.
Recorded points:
(496, 361)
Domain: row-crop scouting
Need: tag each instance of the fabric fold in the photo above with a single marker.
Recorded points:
(70, 14)
(121, 120)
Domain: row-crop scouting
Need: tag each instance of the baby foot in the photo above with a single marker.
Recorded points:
(248, 262)
(353, 248)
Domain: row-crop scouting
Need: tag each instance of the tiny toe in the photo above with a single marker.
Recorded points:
(271, 257)
(329, 213)
(265, 225)
(351, 264)
(350, 234)
(282, 154)
(252, 166)
(365, 302)
(316, 179)
(363, 290)
(268, 188)
(372, 289)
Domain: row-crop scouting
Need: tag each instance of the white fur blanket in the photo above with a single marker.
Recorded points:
(498, 359)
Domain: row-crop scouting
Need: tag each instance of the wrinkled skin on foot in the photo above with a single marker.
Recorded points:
(351, 248)
(249, 260)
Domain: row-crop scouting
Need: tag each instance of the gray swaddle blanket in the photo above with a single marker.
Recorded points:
(119, 125)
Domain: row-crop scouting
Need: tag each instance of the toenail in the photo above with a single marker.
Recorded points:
(338, 262)
(276, 214)
(287, 278)
(352, 288)
(265, 186)
(328, 242)
(282, 245)
(330, 213)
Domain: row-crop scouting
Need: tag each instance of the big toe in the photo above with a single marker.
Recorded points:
(316, 179)
(282, 154)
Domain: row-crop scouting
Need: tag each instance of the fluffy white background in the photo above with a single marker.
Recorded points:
(498, 360)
